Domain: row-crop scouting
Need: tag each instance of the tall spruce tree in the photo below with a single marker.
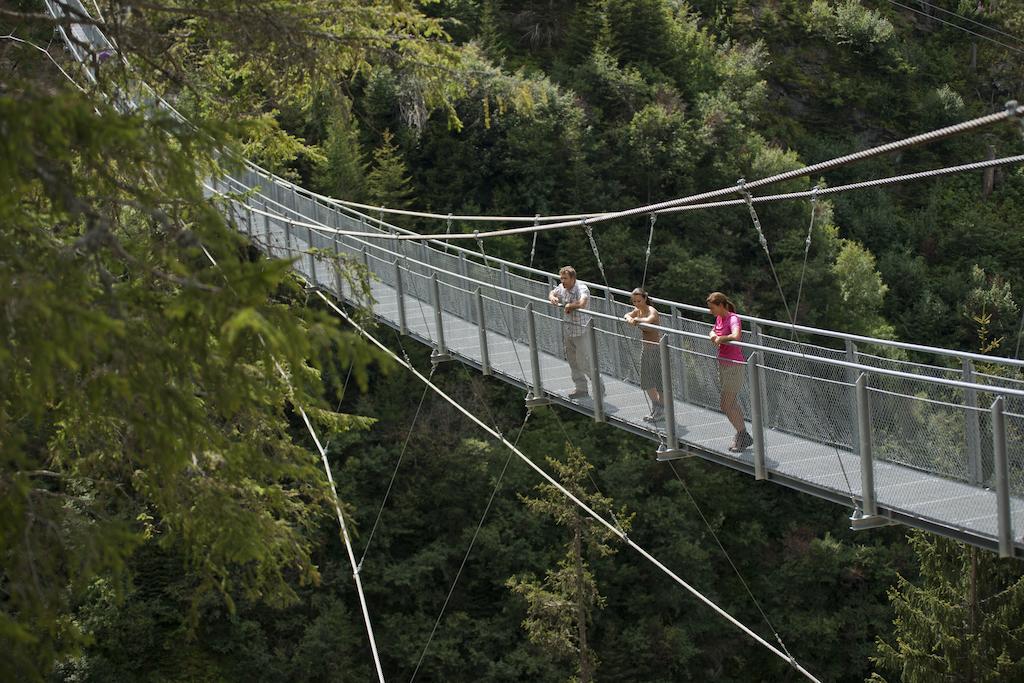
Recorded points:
(560, 607)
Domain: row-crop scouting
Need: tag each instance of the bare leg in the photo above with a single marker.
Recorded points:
(731, 407)
(654, 395)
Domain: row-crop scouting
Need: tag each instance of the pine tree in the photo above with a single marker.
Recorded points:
(388, 183)
(963, 622)
(343, 172)
(560, 608)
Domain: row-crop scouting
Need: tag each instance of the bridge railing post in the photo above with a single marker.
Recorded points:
(266, 232)
(1002, 477)
(338, 278)
(851, 379)
(400, 295)
(288, 238)
(248, 221)
(972, 427)
(757, 415)
(312, 257)
(441, 349)
(669, 450)
(867, 462)
(536, 395)
(506, 283)
(596, 385)
(481, 326)
(467, 306)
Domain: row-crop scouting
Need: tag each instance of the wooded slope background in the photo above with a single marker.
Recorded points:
(162, 512)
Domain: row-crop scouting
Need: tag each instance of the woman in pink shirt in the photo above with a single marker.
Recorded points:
(730, 365)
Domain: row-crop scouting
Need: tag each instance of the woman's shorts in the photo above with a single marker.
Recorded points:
(650, 368)
(730, 377)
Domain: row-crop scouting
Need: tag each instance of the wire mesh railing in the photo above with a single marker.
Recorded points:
(931, 418)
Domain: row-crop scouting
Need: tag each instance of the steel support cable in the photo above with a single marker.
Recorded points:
(732, 564)
(394, 474)
(348, 543)
(568, 440)
(1012, 110)
(809, 330)
(764, 245)
(958, 27)
(472, 542)
(621, 322)
(807, 250)
(568, 494)
(405, 234)
(647, 254)
(533, 247)
(337, 505)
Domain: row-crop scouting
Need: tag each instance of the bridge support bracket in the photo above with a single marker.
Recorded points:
(665, 454)
(534, 401)
(859, 521)
(438, 357)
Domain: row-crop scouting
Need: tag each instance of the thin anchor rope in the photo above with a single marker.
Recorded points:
(568, 494)
(472, 542)
(972, 21)
(394, 473)
(335, 499)
(728, 557)
(958, 27)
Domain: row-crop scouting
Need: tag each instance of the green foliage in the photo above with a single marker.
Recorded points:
(388, 183)
(963, 622)
(560, 607)
(850, 23)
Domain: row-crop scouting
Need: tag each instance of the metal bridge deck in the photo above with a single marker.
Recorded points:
(904, 494)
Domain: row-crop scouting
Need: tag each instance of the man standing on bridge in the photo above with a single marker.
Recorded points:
(573, 296)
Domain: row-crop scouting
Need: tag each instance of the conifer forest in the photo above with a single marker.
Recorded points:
(166, 516)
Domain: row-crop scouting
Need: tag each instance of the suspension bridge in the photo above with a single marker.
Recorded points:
(935, 444)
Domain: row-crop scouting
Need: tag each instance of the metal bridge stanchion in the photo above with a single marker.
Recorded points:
(248, 221)
(669, 450)
(481, 325)
(867, 461)
(464, 274)
(266, 232)
(312, 257)
(400, 293)
(757, 416)
(506, 283)
(441, 349)
(851, 379)
(535, 397)
(596, 385)
(288, 237)
(972, 427)
(867, 517)
(337, 267)
(1002, 477)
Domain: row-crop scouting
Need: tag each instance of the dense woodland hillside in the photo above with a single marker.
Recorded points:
(163, 513)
